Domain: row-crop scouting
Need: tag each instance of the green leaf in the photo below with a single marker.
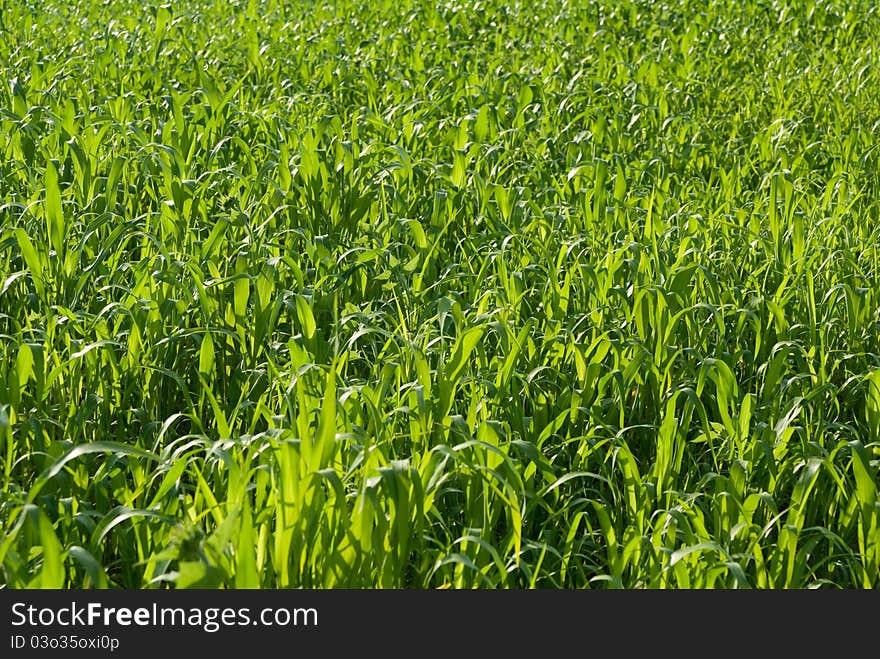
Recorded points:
(305, 316)
(33, 260)
(54, 212)
(214, 240)
(463, 349)
(864, 474)
(24, 365)
(246, 575)
(872, 404)
(325, 438)
(206, 356)
(52, 573)
(90, 564)
(85, 449)
(481, 126)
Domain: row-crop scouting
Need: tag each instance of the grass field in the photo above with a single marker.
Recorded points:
(427, 294)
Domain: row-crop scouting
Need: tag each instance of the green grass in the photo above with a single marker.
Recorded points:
(439, 294)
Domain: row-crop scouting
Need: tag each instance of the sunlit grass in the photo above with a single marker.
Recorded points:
(422, 294)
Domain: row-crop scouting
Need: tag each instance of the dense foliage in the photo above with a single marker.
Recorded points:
(439, 294)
